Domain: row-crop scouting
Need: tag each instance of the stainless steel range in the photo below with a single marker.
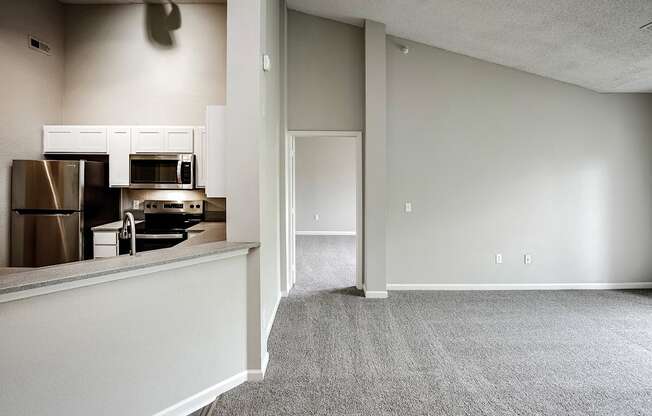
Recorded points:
(166, 224)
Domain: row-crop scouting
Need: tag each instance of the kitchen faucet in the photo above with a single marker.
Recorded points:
(129, 231)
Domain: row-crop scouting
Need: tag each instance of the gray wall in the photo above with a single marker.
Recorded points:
(129, 347)
(375, 160)
(32, 90)
(325, 183)
(496, 160)
(116, 75)
(325, 73)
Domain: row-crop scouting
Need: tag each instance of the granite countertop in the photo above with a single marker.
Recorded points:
(112, 226)
(204, 232)
(71, 274)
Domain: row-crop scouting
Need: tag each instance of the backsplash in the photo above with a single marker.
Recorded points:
(215, 208)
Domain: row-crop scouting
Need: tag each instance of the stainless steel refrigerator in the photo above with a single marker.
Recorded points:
(54, 204)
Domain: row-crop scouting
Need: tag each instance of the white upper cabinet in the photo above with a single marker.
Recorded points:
(162, 139)
(75, 139)
(215, 151)
(200, 157)
(179, 139)
(148, 139)
(119, 149)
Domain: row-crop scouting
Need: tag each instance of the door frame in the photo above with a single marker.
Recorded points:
(290, 206)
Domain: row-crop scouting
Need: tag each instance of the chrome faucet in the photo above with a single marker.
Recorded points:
(128, 231)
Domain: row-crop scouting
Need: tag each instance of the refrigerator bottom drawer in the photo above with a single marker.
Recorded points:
(45, 239)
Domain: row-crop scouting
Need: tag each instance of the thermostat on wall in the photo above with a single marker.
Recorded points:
(38, 45)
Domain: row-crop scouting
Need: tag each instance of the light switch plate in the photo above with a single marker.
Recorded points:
(499, 258)
(527, 259)
(267, 63)
(408, 207)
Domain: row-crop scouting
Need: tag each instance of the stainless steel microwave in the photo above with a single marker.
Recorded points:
(162, 171)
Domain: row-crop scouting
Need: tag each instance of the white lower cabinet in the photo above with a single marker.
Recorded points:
(105, 244)
(119, 150)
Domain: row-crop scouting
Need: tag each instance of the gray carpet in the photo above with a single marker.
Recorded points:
(448, 353)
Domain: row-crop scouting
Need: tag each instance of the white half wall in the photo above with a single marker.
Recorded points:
(325, 184)
(164, 343)
(495, 160)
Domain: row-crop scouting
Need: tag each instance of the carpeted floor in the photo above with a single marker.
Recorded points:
(333, 352)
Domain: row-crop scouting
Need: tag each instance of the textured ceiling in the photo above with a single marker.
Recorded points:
(593, 43)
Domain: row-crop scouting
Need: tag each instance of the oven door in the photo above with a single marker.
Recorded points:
(161, 171)
(147, 242)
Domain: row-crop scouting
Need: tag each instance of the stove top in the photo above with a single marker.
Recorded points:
(170, 217)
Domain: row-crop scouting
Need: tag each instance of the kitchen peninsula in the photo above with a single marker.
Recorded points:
(115, 324)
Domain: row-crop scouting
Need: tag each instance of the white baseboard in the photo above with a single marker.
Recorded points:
(325, 233)
(374, 294)
(259, 375)
(519, 286)
(204, 397)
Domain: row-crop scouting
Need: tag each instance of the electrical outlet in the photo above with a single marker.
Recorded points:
(527, 259)
(408, 207)
(135, 204)
(499, 258)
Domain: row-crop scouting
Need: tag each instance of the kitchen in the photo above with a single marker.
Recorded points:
(136, 153)
(121, 109)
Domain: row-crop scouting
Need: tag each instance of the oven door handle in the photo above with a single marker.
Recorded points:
(159, 236)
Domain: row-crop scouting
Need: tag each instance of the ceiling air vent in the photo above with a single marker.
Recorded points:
(39, 45)
(647, 27)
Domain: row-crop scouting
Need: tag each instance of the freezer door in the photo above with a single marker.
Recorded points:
(46, 185)
(45, 239)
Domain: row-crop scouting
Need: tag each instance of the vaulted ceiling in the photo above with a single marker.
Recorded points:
(597, 44)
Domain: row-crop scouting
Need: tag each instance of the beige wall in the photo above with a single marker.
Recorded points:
(31, 86)
(116, 75)
(495, 160)
(325, 67)
(325, 183)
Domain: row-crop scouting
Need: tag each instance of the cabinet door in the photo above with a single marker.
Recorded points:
(91, 139)
(215, 154)
(200, 157)
(74, 139)
(59, 139)
(179, 139)
(148, 140)
(119, 149)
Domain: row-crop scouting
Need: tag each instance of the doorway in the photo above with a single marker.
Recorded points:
(323, 179)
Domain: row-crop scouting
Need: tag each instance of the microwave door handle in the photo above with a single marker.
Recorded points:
(179, 163)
